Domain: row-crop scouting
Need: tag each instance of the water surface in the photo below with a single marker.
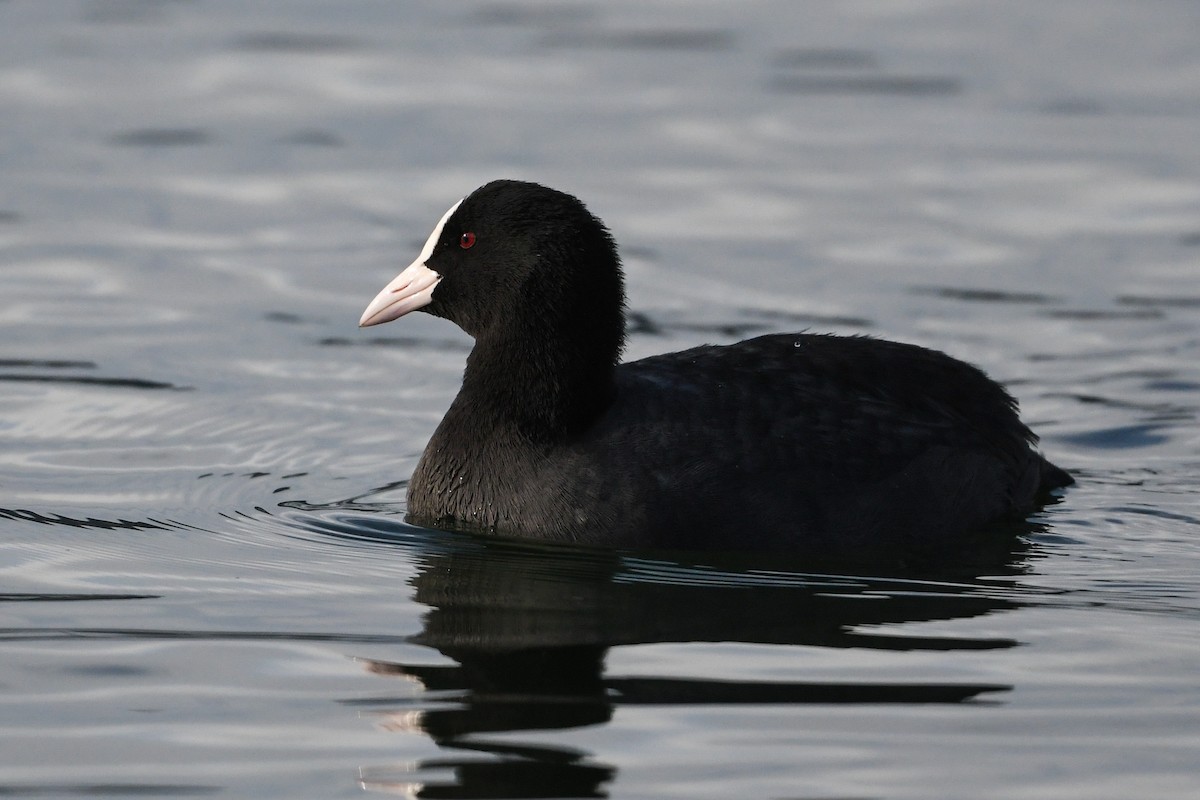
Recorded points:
(207, 585)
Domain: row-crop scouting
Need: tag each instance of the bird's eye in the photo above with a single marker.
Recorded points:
(466, 241)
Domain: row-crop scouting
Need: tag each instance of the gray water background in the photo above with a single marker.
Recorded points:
(206, 584)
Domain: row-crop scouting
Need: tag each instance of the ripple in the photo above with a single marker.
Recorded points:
(795, 318)
(1172, 386)
(25, 515)
(643, 323)
(1074, 106)
(162, 137)
(901, 85)
(824, 58)
(541, 14)
(219, 583)
(285, 317)
(1181, 301)
(1121, 437)
(126, 11)
(314, 137)
(661, 39)
(298, 43)
(8, 363)
(70, 598)
(109, 789)
(404, 342)
(87, 380)
(985, 295)
(1102, 314)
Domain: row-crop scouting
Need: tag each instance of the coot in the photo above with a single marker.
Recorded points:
(839, 446)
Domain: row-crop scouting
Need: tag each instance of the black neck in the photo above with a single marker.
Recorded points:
(537, 384)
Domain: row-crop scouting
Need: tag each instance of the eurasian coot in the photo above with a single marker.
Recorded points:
(832, 445)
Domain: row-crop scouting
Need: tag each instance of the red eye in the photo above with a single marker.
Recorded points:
(466, 241)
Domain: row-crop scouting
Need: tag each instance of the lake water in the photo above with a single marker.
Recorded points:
(207, 585)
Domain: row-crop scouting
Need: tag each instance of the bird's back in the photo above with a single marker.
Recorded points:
(796, 442)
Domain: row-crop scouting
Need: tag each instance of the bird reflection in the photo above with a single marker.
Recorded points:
(528, 629)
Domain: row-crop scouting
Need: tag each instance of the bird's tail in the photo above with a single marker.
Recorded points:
(1053, 477)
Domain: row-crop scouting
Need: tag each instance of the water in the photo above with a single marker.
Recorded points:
(207, 585)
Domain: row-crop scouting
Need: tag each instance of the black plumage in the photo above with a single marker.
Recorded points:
(843, 447)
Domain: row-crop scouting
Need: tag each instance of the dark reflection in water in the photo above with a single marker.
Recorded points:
(529, 628)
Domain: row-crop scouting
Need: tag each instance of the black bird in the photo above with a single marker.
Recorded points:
(842, 447)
